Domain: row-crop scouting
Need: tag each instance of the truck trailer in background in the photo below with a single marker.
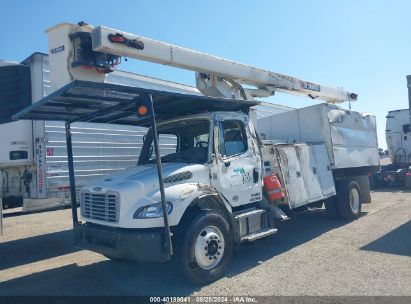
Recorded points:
(33, 156)
(398, 137)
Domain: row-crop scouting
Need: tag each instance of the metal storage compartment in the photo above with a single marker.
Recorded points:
(349, 136)
(303, 169)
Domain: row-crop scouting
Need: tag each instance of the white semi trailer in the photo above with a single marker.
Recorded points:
(227, 178)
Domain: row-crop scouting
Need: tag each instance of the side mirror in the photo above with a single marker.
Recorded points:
(256, 175)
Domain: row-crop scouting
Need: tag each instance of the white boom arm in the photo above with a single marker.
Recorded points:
(214, 76)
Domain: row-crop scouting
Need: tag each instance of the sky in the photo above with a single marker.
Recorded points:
(363, 46)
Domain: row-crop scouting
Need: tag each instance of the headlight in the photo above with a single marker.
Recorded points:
(152, 211)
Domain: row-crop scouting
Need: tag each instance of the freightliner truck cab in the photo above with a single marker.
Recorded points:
(213, 163)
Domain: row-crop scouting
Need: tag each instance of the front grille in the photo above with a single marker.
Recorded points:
(100, 206)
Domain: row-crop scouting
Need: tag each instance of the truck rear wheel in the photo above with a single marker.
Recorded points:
(349, 199)
(207, 248)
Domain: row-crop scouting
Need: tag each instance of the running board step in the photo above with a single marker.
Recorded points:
(258, 235)
(253, 212)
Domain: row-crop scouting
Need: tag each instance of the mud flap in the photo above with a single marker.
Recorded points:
(364, 184)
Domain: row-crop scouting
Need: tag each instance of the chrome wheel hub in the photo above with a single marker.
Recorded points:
(355, 200)
(209, 247)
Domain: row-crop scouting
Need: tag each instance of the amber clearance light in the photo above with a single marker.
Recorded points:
(142, 110)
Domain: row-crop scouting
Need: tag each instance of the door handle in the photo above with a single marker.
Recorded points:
(256, 175)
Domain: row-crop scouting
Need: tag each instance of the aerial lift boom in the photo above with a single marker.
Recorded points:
(101, 47)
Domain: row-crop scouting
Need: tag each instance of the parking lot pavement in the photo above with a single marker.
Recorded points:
(310, 255)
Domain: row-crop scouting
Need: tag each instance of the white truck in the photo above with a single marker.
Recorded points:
(33, 156)
(398, 132)
(398, 138)
(226, 178)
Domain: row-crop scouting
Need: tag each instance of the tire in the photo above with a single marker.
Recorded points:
(207, 248)
(331, 208)
(349, 199)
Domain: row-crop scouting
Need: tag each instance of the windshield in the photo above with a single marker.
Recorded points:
(182, 141)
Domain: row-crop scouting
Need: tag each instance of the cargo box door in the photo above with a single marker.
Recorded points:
(324, 170)
(292, 176)
(310, 172)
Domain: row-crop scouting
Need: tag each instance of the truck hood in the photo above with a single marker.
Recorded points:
(145, 179)
(139, 186)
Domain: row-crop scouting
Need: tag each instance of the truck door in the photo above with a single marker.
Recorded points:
(238, 162)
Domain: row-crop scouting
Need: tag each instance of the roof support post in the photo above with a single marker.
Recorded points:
(167, 234)
(409, 94)
(71, 175)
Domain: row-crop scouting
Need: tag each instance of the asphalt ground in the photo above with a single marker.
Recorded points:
(310, 255)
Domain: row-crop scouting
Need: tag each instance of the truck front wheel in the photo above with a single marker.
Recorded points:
(349, 199)
(207, 248)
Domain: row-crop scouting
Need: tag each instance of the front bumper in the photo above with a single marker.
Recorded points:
(120, 243)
